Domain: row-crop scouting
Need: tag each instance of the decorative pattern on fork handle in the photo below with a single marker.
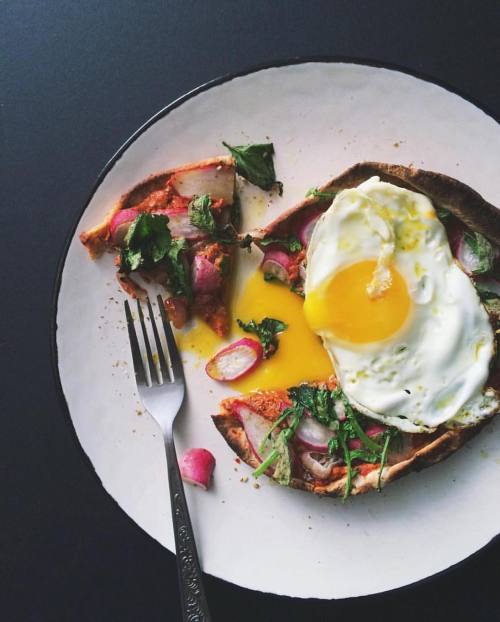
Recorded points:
(194, 603)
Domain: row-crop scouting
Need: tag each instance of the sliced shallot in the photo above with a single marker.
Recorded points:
(234, 361)
(197, 466)
(320, 470)
(256, 428)
(276, 263)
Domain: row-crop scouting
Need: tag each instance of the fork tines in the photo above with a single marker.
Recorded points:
(156, 367)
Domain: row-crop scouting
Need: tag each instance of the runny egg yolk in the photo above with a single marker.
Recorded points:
(344, 309)
(300, 356)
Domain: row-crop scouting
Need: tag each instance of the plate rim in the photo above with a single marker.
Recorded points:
(109, 165)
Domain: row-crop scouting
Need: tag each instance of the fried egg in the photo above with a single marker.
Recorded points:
(403, 325)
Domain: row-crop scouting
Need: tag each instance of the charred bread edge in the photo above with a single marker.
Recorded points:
(461, 200)
(95, 239)
(435, 451)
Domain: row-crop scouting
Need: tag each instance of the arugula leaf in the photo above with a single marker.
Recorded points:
(482, 250)
(291, 243)
(277, 452)
(200, 214)
(178, 273)
(266, 331)
(314, 192)
(347, 459)
(147, 242)
(255, 163)
(389, 435)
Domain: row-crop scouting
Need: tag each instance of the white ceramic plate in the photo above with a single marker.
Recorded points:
(322, 117)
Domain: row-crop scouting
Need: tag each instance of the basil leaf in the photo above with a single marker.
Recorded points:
(255, 163)
(266, 331)
(291, 243)
(147, 242)
(483, 251)
(200, 214)
(179, 282)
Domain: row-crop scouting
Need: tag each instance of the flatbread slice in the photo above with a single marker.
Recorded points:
(196, 272)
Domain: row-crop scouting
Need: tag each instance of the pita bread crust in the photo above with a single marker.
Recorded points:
(439, 448)
(447, 192)
(96, 240)
(464, 203)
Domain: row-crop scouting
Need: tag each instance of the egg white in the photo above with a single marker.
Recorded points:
(434, 368)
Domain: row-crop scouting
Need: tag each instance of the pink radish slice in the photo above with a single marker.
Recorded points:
(197, 466)
(313, 434)
(179, 225)
(217, 180)
(372, 430)
(120, 223)
(204, 276)
(320, 470)
(256, 428)
(307, 226)
(276, 263)
(234, 361)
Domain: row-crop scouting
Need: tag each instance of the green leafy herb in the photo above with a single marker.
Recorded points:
(443, 214)
(255, 163)
(489, 298)
(200, 214)
(355, 426)
(236, 212)
(388, 436)
(482, 250)
(348, 462)
(314, 192)
(178, 279)
(147, 242)
(266, 331)
(291, 243)
(276, 453)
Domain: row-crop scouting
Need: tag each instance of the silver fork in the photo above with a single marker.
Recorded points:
(162, 396)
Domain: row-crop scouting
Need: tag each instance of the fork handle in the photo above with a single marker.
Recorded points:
(193, 600)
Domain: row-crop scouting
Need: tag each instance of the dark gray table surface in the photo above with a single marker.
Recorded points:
(77, 79)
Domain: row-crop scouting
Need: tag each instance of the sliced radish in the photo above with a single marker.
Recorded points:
(374, 429)
(475, 253)
(307, 226)
(120, 223)
(276, 263)
(179, 225)
(204, 276)
(217, 180)
(256, 428)
(236, 360)
(197, 466)
(319, 465)
(314, 434)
